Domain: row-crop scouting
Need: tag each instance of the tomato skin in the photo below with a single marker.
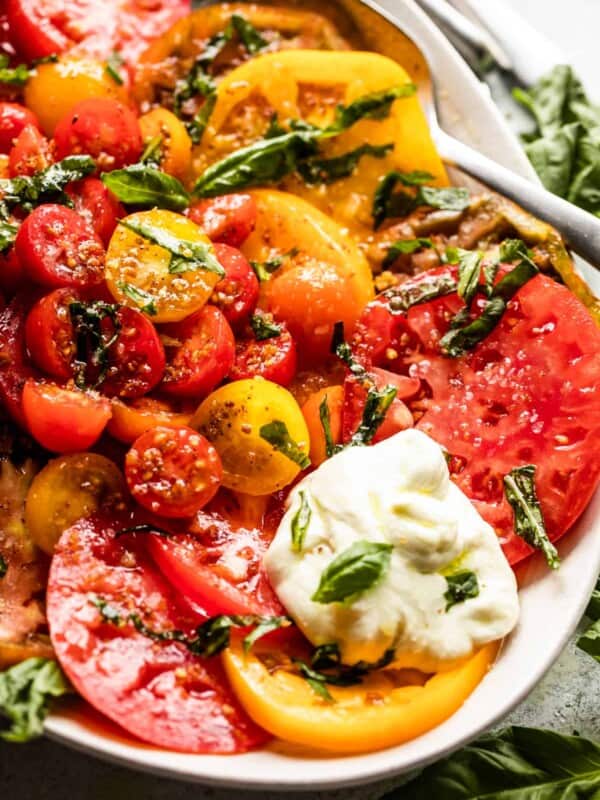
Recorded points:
(173, 472)
(62, 420)
(274, 359)
(237, 293)
(204, 357)
(102, 128)
(30, 153)
(97, 205)
(59, 249)
(157, 691)
(33, 37)
(15, 367)
(228, 220)
(130, 420)
(11, 272)
(13, 118)
(49, 333)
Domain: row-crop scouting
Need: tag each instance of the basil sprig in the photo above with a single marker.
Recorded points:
(388, 202)
(146, 186)
(353, 572)
(264, 327)
(278, 436)
(13, 76)
(185, 254)
(519, 488)
(300, 523)
(280, 153)
(46, 185)
(462, 586)
(329, 170)
(405, 247)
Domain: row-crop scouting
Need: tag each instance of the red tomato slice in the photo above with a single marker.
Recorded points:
(13, 118)
(218, 564)
(173, 472)
(30, 152)
(527, 394)
(237, 293)
(58, 248)
(200, 353)
(49, 333)
(102, 128)
(274, 359)
(14, 364)
(61, 420)
(229, 219)
(97, 205)
(157, 691)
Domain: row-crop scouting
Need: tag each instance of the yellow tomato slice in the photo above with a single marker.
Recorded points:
(130, 420)
(137, 271)
(389, 707)
(231, 418)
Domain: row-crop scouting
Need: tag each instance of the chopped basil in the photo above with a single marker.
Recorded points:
(51, 59)
(8, 233)
(264, 269)
(152, 154)
(264, 327)
(277, 435)
(469, 271)
(113, 65)
(513, 249)
(389, 203)
(519, 488)
(329, 170)
(315, 680)
(405, 247)
(462, 586)
(340, 347)
(143, 300)
(47, 185)
(264, 625)
(146, 186)
(300, 523)
(402, 298)
(247, 33)
(3, 566)
(185, 254)
(27, 691)
(376, 406)
(13, 76)
(375, 105)
(353, 572)
(93, 341)
(330, 447)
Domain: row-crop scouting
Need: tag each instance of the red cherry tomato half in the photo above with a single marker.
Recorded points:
(97, 205)
(15, 367)
(13, 118)
(49, 333)
(200, 353)
(58, 248)
(102, 128)
(173, 472)
(30, 153)
(273, 359)
(11, 272)
(62, 420)
(237, 293)
(158, 691)
(229, 219)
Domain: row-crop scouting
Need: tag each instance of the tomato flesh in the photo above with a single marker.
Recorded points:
(97, 205)
(157, 691)
(30, 152)
(229, 219)
(237, 293)
(274, 359)
(13, 118)
(49, 333)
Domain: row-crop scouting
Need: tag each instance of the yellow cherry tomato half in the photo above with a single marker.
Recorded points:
(232, 418)
(389, 707)
(55, 88)
(130, 420)
(333, 397)
(175, 145)
(68, 488)
(140, 274)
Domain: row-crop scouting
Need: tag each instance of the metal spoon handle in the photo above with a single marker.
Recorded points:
(579, 229)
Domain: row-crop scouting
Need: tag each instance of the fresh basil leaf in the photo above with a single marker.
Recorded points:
(264, 626)
(185, 254)
(519, 488)
(513, 764)
(3, 566)
(375, 105)
(513, 249)
(330, 447)
(315, 680)
(264, 269)
(152, 154)
(113, 66)
(248, 34)
(384, 200)
(469, 271)
(376, 407)
(277, 435)
(405, 247)
(47, 185)
(462, 586)
(196, 126)
(449, 198)
(354, 571)
(13, 76)
(146, 186)
(93, 340)
(401, 298)
(143, 300)
(27, 691)
(300, 523)
(328, 170)
(264, 327)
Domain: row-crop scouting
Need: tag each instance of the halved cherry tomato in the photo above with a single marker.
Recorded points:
(389, 706)
(333, 396)
(67, 489)
(49, 333)
(15, 367)
(30, 153)
(218, 563)
(158, 691)
(201, 355)
(175, 147)
(61, 420)
(237, 293)
(11, 272)
(13, 118)
(173, 472)
(273, 358)
(130, 420)
(58, 248)
(97, 205)
(229, 219)
(102, 128)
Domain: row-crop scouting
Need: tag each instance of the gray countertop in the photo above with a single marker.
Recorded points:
(566, 700)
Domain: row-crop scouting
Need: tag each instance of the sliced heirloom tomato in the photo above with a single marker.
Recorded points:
(526, 394)
(97, 205)
(271, 357)
(228, 220)
(49, 333)
(30, 153)
(155, 690)
(389, 707)
(237, 293)
(13, 118)
(200, 353)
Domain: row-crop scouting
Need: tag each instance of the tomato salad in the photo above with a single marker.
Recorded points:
(231, 263)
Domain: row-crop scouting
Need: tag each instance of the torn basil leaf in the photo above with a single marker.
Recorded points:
(328, 170)
(264, 269)
(146, 186)
(330, 447)
(376, 407)
(385, 202)
(405, 247)
(462, 586)
(8, 234)
(316, 680)
(264, 327)
(519, 488)
(375, 105)
(143, 299)
(469, 271)
(300, 523)
(152, 154)
(277, 435)
(13, 76)
(113, 67)
(354, 571)
(47, 185)
(340, 348)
